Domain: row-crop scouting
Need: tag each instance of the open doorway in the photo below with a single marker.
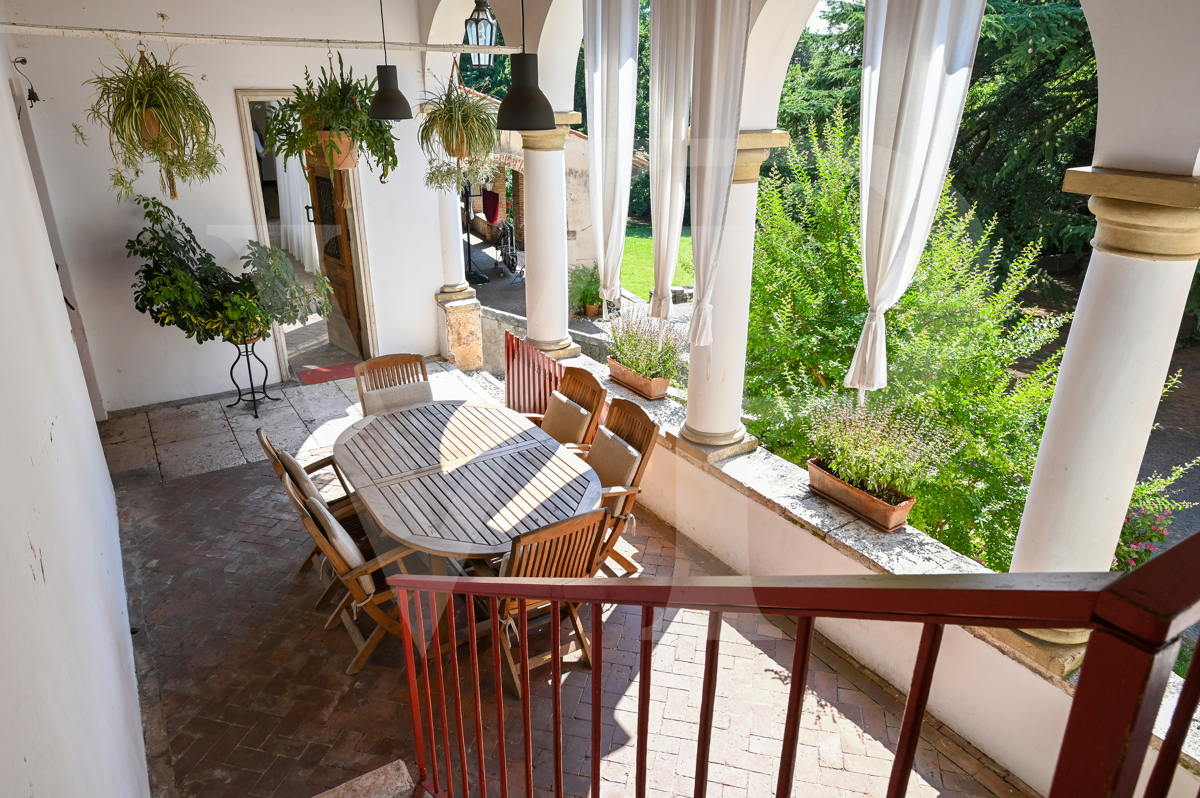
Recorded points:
(315, 224)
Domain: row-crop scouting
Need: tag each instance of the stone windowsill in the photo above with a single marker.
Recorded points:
(782, 487)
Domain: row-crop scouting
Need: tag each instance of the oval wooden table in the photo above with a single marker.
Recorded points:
(462, 479)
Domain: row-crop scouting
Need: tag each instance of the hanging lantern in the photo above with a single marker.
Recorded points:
(481, 32)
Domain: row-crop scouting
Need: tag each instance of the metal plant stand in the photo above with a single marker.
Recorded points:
(253, 395)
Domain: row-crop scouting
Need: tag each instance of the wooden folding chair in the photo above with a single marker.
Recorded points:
(616, 461)
(563, 550)
(342, 507)
(529, 376)
(359, 572)
(581, 387)
(388, 371)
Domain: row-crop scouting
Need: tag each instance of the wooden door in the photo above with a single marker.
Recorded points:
(329, 196)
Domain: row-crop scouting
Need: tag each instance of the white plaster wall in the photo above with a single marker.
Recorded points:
(1003, 708)
(68, 696)
(138, 363)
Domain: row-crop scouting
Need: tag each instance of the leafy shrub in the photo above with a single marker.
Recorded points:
(180, 284)
(882, 449)
(1150, 515)
(953, 341)
(635, 345)
(583, 286)
(639, 194)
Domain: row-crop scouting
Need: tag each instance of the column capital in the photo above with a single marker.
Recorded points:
(555, 139)
(1141, 215)
(754, 146)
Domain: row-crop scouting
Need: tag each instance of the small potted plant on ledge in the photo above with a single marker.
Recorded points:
(637, 358)
(583, 290)
(867, 459)
(330, 120)
(180, 284)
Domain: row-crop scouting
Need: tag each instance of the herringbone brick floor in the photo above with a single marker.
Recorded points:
(245, 693)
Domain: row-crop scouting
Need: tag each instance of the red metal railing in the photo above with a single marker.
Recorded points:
(529, 376)
(1136, 621)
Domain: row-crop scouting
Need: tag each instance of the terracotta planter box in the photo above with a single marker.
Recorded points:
(876, 512)
(651, 388)
(592, 311)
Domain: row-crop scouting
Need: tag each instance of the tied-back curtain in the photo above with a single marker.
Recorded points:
(610, 37)
(917, 57)
(672, 35)
(297, 235)
(718, 66)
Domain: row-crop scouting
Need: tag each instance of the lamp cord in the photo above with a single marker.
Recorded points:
(522, 26)
(383, 27)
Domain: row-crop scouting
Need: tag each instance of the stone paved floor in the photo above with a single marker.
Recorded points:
(187, 438)
(245, 693)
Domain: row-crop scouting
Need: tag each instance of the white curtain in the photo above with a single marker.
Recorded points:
(917, 57)
(672, 35)
(610, 37)
(297, 235)
(717, 71)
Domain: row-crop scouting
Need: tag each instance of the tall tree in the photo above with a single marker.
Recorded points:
(1030, 112)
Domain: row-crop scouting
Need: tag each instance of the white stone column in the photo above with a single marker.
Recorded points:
(460, 335)
(454, 275)
(717, 372)
(1116, 360)
(545, 199)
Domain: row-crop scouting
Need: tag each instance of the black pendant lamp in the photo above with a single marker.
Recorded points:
(481, 32)
(389, 102)
(524, 107)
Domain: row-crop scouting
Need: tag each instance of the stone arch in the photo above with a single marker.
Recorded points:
(775, 28)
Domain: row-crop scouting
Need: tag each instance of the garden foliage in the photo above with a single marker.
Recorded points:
(953, 342)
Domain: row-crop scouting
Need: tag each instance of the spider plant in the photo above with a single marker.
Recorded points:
(458, 135)
(153, 111)
(332, 104)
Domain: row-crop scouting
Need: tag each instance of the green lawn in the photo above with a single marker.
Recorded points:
(637, 264)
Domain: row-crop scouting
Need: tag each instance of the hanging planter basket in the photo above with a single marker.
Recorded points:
(153, 112)
(342, 154)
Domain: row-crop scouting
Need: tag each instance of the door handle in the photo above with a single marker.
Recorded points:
(308, 210)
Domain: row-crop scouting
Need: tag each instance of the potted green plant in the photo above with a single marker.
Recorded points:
(329, 118)
(458, 136)
(638, 359)
(583, 290)
(869, 458)
(152, 111)
(180, 284)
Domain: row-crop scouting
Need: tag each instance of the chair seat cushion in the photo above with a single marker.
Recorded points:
(565, 421)
(615, 462)
(341, 541)
(395, 397)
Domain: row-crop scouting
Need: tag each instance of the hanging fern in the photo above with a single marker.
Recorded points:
(153, 111)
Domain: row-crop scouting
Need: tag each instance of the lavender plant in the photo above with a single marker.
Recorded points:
(882, 449)
(635, 345)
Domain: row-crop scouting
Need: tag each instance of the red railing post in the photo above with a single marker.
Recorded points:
(1112, 716)
(914, 710)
